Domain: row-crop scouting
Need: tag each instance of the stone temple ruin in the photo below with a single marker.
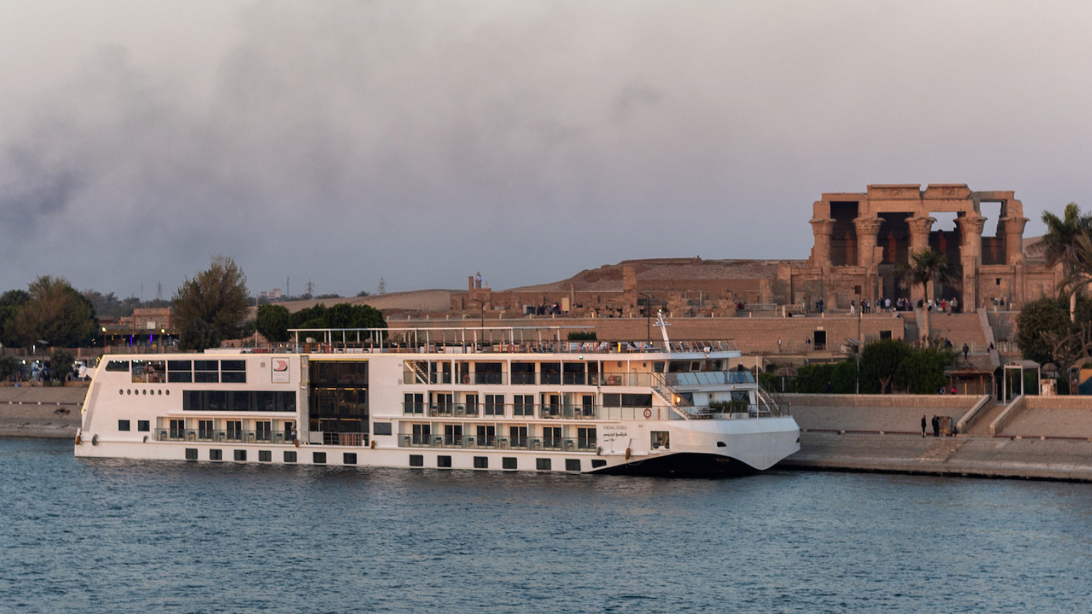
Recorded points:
(859, 240)
(860, 237)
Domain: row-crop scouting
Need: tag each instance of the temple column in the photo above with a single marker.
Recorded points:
(970, 256)
(919, 240)
(822, 228)
(1014, 239)
(867, 253)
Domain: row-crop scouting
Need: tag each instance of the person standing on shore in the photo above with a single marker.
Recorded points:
(923, 425)
(936, 426)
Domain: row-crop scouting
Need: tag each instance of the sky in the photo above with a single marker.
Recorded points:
(345, 142)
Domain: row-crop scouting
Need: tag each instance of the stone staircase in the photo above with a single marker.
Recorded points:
(980, 426)
(960, 328)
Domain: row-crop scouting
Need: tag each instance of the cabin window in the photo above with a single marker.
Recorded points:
(234, 429)
(215, 455)
(118, 365)
(318, 458)
(416, 460)
(542, 464)
(123, 425)
(179, 371)
(488, 373)
(572, 464)
(233, 371)
(523, 405)
(349, 458)
(206, 371)
(265, 456)
(586, 438)
(494, 405)
(627, 400)
(508, 463)
(290, 457)
(381, 428)
(143, 426)
(598, 462)
(191, 454)
(413, 403)
(240, 455)
(481, 462)
(443, 462)
(523, 373)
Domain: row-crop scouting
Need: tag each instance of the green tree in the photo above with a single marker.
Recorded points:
(8, 367)
(56, 314)
(60, 364)
(880, 362)
(341, 315)
(925, 266)
(922, 371)
(212, 306)
(1063, 245)
(1046, 316)
(10, 304)
(272, 322)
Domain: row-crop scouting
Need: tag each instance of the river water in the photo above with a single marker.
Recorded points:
(120, 536)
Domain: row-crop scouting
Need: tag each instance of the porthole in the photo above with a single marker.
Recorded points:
(120, 391)
(168, 393)
(128, 391)
(161, 392)
(144, 392)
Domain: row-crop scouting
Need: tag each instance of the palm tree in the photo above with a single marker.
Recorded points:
(1062, 245)
(925, 266)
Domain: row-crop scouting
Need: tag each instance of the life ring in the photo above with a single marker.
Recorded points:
(511, 348)
(627, 454)
(648, 413)
(466, 379)
(329, 349)
(77, 440)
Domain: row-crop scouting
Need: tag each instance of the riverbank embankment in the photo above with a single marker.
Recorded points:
(36, 411)
(1032, 437)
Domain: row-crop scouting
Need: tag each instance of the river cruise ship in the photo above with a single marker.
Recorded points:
(497, 399)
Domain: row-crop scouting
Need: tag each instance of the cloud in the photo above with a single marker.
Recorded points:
(346, 141)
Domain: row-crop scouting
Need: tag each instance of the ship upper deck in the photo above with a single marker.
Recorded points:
(465, 340)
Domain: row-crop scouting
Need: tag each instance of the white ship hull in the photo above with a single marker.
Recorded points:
(575, 409)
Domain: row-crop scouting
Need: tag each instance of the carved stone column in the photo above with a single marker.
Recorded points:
(867, 229)
(1014, 239)
(820, 253)
(970, 256)
(919, 240)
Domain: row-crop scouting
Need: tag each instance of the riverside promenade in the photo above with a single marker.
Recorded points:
(1032, 437)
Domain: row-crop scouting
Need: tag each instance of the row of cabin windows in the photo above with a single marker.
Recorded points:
(266, 456)
(142, 425)
(238, 400)
(507, 462)
(182, 371)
